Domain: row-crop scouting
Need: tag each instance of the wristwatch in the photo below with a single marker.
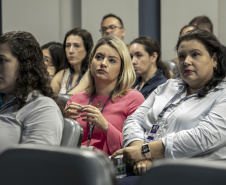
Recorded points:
(146, 151)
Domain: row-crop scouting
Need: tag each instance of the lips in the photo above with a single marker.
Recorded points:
(188, 71)
(101, 71)
(71, 58)
(135, 68)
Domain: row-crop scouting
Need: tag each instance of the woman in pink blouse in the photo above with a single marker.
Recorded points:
(108, 101)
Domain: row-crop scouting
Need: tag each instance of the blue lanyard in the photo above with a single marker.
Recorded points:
(92, 125)
(1, 100)
(155, 127)
(173, 99)
(69, 88)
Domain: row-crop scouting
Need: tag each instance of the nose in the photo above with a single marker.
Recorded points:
(108, 31)
(46, 63)
(187, 60)
(134, 60)
(104, 62)
(71, 50)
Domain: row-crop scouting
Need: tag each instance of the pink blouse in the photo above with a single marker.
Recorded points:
(115, 113)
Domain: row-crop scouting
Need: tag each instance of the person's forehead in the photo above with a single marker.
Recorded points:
(191, 44)
(111, 21)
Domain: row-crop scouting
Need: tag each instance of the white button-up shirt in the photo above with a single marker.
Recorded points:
(193, 128)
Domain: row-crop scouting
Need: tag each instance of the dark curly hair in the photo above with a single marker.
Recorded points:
(32, 73)
(213, 46)
(88, 44)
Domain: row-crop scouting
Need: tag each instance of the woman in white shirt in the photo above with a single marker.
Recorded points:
(184, 117)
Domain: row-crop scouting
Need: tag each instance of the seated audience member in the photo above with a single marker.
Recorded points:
(108, 101)
(145, 53)
(112, 25)
(77, 46)
(202, 22)
(187, 28)
(28, 112)
(53, 57)
(172, 65)
(184, 117)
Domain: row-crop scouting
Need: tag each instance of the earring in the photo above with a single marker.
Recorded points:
(215, 68)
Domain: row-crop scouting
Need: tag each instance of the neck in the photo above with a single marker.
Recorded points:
(77, 69)
(191, 90)
(145, 77)
(104, 89)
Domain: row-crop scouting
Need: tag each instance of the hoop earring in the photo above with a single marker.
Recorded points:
(214, 68)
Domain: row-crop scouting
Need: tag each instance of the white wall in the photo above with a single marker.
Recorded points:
(222, 21)
(94, 10)
(177, 13)
(47, 20)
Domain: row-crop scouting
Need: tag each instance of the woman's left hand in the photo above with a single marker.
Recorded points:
(141, 167)
(93, 114)
(131, 154)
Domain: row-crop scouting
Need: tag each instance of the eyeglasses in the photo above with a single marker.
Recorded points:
(111, 27)
(48, 61)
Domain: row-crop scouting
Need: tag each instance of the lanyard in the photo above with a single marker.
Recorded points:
(69, 88)
(92, 125)
(155, 127)
(1, 100)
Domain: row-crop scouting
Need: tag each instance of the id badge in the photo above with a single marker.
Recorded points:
(87, 147)
(152, 133)
(154, 129)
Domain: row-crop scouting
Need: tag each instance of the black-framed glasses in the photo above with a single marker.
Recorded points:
(111, 27)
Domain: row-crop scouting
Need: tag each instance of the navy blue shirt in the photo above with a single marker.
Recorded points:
(157, 79)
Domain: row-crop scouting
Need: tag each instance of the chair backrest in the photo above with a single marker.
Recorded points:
(185, 172)
(46, 165)
(172, 66)
(72, 133)
(63, 98)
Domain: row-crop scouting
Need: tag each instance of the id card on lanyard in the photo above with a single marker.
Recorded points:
(155, 127)
(92, 125)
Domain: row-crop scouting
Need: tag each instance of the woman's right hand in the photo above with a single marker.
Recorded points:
(141, 167)
(72, 110)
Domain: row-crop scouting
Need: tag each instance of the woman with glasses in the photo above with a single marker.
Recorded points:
(53, 57)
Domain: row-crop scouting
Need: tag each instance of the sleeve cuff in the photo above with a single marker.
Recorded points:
(168, 143)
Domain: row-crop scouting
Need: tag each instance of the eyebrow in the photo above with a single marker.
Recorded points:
(113, 57)
(183, 51)
(99, 53)
(109, 25)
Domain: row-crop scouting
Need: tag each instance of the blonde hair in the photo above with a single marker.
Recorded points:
(126, 76)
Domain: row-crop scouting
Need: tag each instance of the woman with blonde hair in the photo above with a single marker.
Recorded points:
(108, 101)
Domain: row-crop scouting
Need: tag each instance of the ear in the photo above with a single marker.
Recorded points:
(154, 57)
(123, 32)
(214, 60)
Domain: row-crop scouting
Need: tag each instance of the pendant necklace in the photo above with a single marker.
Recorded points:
(99, 101)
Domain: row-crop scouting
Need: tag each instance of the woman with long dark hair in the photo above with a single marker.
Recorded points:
(150, 70)
(28, 109)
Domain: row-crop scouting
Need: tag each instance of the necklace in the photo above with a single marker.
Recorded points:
(99, 101)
